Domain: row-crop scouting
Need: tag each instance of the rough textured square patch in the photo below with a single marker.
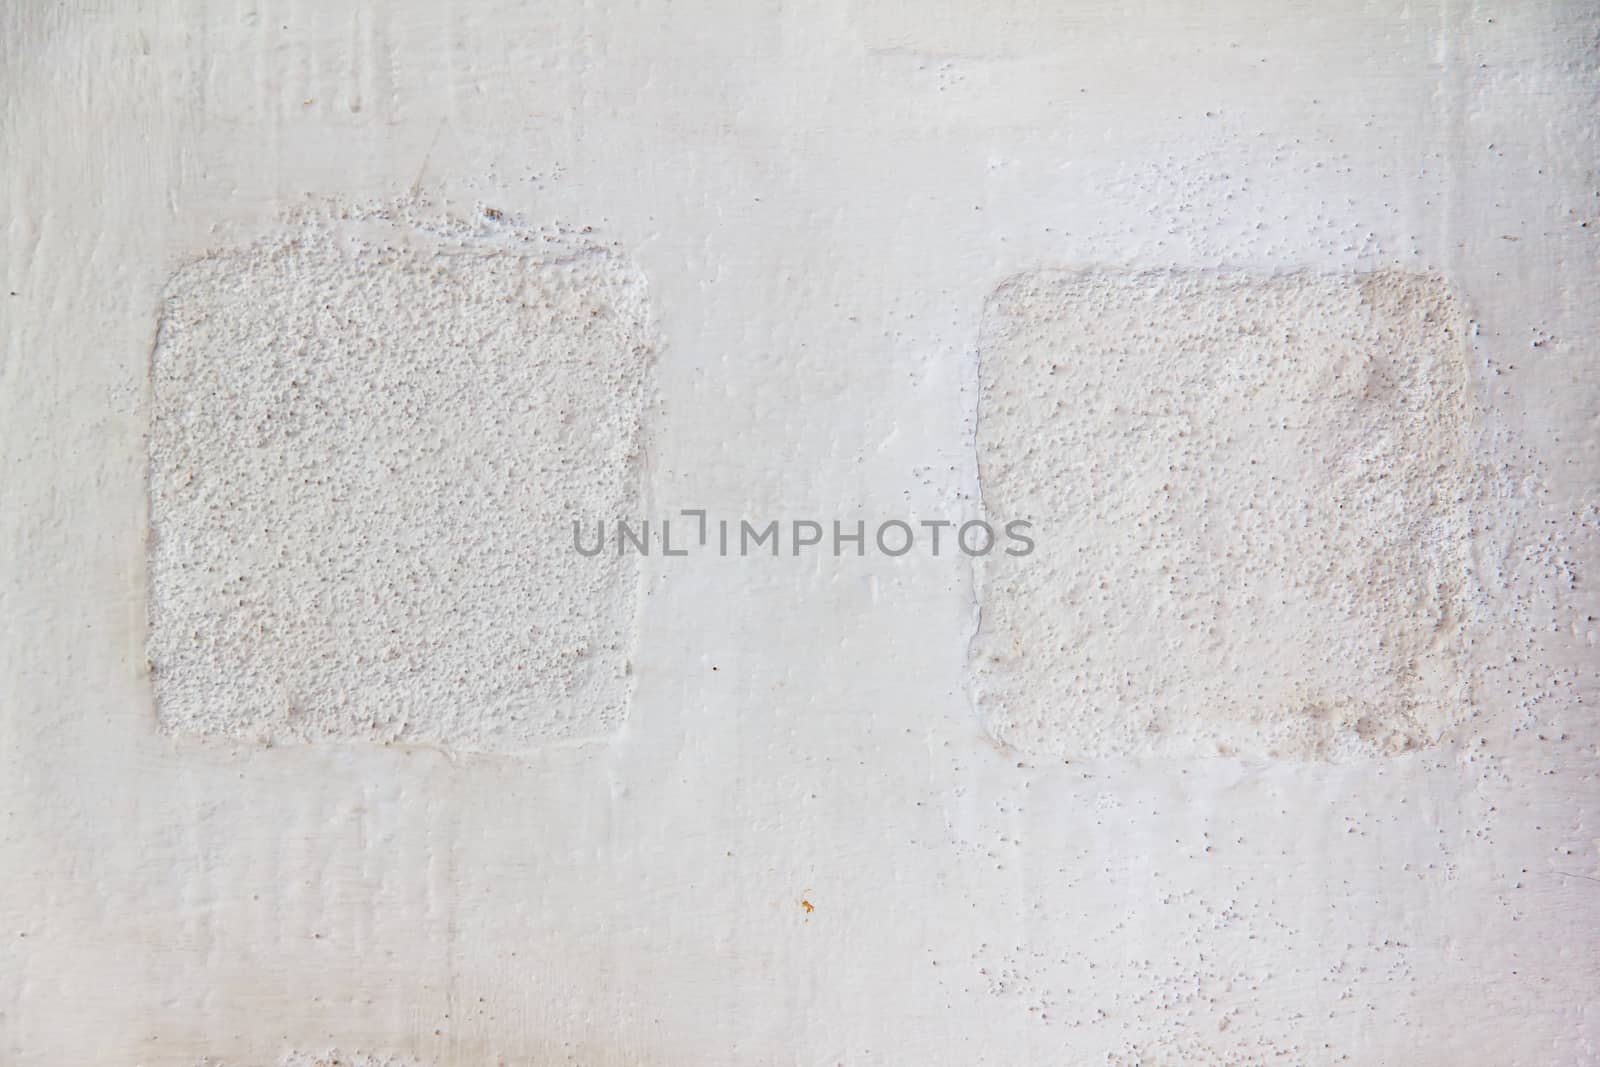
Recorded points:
(1253, 501)
(371, 436)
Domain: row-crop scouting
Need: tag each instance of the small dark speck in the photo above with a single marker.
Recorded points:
(494, 213)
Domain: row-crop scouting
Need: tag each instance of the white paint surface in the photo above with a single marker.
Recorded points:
(801, 844)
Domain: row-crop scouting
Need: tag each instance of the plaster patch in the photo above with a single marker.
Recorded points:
(1253, 501)
(371, 435)
(335, 1058)
(1179, 1051)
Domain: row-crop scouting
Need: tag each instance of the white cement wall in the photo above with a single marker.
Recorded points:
(319, 744)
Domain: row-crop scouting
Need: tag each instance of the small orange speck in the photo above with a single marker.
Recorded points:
(810, 907)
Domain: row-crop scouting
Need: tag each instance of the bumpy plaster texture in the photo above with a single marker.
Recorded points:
(335, 1058)
(371, 437)
(1254, 500)
(330, 1058)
